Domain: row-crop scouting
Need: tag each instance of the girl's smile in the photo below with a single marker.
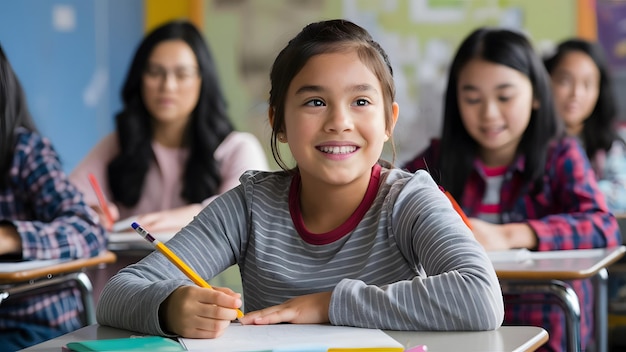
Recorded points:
(337, 151)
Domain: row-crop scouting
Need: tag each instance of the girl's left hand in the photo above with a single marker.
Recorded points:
(307, 309)
(494, 237)
(491, 236)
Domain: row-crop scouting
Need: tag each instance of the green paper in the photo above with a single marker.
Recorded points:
(147, 343)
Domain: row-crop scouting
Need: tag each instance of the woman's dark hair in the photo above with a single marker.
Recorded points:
(208, 125)
(13, 114)
(325, 37)
(599, 131)
(458, 148)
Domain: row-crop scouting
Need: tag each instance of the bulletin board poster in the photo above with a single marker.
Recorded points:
(419, 36)
(612, 32)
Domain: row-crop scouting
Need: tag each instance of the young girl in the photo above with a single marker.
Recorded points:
(174, 149)
(339, 238)
(583, 93)
(503, 157)
(42, 216)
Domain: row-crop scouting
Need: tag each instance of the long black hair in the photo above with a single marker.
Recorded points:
(599, 131)
(207, 128)
(458, 148)
(13, 114)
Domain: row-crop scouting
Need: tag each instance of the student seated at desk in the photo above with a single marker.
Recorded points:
(42, 216)
(583, 92)
(340, 238)
(504, 156)
(174, 149)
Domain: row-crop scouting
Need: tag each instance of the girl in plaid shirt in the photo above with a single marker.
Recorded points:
(504, 156)
(42, 216)
(583, 92)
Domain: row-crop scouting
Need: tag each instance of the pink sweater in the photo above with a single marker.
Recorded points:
(239, 152)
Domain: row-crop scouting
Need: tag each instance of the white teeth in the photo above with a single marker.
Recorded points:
(338, 150)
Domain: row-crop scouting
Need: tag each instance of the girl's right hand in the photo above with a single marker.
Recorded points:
(104, 220)
(196, 312)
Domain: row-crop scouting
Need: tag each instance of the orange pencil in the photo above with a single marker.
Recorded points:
(101, 200)
(457, 207)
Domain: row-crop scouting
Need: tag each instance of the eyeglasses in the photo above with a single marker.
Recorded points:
(158, 74)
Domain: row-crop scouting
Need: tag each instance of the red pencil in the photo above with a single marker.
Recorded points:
(101, 200)
(457, 207)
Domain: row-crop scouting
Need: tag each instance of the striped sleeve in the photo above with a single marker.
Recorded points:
(203, 244)
(459, 289)
(411, 263)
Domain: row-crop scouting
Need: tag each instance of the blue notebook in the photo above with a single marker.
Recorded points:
(142, 343)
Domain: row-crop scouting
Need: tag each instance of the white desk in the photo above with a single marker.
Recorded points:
(544, 273)
(505, 339)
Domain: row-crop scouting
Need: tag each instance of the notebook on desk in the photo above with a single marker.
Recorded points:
(296, 337)
(122, 232)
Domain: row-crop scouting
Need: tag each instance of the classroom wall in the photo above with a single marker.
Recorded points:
(72, 55)
(420, 37)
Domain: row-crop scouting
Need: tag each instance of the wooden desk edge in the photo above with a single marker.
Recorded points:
(105, 257)
(605, 262)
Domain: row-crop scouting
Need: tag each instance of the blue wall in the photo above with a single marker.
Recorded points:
(71, 57)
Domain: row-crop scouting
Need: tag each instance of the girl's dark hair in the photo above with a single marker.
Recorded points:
(325, 37)
(208, 125)
(458, 148)
(13, 114)
(599, 131)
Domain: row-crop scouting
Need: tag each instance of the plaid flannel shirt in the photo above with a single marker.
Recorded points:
(53, 222)
(569, 212)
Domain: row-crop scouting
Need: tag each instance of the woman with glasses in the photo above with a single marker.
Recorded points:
(174, 148)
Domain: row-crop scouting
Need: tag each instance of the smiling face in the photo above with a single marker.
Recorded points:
(171, 83)
(495, 103)
(576, 86)
(335, 119)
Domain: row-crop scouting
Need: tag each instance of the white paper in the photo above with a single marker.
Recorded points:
(124, 224)
(132, 237)
(523, 254)
(292, 337)
(123, 233)
(28, 265)
(573, 253)
(513, 255)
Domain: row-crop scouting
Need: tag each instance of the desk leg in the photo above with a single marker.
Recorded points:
(3, 296)
(86, 291)
(601, 310)
(565, 296)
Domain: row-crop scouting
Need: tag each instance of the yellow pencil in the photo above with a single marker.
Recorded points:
(175, 260)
